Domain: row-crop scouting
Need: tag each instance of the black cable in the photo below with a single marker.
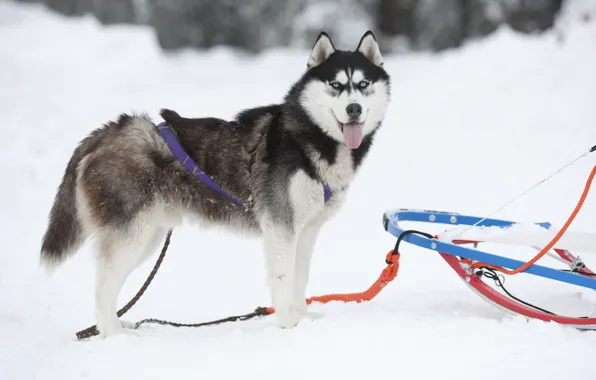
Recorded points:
(403, 235)
(492, 274)
(487, 272)
(579, 272)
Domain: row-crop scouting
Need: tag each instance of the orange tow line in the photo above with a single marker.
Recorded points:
(554, 240)
(387, 275)
(390, 272)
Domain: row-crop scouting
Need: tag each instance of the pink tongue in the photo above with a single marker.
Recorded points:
(353, 135)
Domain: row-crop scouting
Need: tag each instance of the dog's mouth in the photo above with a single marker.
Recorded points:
(352, 134)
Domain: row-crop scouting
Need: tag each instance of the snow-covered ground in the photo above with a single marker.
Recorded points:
(467, 130)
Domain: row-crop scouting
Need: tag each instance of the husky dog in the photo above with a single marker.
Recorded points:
(124, 187)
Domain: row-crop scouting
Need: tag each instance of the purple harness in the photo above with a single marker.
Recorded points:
(170, 139)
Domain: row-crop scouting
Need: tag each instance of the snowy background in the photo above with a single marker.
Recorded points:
(468, 129)
(257, 25)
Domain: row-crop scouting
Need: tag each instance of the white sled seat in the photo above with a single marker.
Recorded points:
(525, 234)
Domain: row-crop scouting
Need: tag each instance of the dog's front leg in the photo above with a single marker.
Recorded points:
(304, 250)
(280, 254)
(282, 228)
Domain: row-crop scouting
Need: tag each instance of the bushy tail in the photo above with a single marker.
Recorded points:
(65, 231)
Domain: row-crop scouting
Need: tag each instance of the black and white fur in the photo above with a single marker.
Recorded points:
(123, 187)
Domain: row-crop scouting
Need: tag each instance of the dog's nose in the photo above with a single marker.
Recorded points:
(354, 110)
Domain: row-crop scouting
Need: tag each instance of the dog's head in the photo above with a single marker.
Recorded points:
(345, 93)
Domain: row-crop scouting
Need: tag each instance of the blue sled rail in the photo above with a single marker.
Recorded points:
(392, 220)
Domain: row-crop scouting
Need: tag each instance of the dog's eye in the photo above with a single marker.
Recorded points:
(335, 84)
(363, 84)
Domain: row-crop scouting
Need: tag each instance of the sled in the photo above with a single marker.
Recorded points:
(459, 248)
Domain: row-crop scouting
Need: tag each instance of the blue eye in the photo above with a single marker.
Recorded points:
(363, 84)
(335, 84)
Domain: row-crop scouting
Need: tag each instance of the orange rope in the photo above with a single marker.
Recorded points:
(388, 275)
(554, 241)
(390, 272)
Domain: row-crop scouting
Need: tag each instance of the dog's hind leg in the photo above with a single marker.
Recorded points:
(119, 254)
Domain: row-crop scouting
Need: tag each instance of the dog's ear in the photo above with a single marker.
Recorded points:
(369, 47)
(322, 49)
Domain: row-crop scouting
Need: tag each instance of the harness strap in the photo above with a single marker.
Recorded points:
(184, 158)
(327, 192)
(170, 139)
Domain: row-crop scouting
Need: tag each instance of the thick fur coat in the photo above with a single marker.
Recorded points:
(124, 186)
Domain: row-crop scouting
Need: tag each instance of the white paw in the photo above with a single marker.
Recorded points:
(303, 312)
(287, 319)
(128, 325)
(108, 331)
(116, 327)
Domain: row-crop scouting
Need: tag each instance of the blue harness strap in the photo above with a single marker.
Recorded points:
(178, 151)
(170, 139)
(327, 192)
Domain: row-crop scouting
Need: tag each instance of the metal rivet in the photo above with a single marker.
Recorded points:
(432, 218)
(453, 219)
(433, 245)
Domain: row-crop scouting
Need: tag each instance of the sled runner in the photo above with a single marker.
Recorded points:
(472, 264)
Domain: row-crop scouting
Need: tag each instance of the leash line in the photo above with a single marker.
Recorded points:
(92, 330)
(583, 155)
(260, 311)
(387, 275)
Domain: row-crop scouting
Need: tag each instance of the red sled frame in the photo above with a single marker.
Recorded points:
(459, 259)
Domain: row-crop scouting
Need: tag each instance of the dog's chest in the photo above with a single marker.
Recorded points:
(339, 173)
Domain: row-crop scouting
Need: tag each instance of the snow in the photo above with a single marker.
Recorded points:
(467, 130)
(527, 234)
